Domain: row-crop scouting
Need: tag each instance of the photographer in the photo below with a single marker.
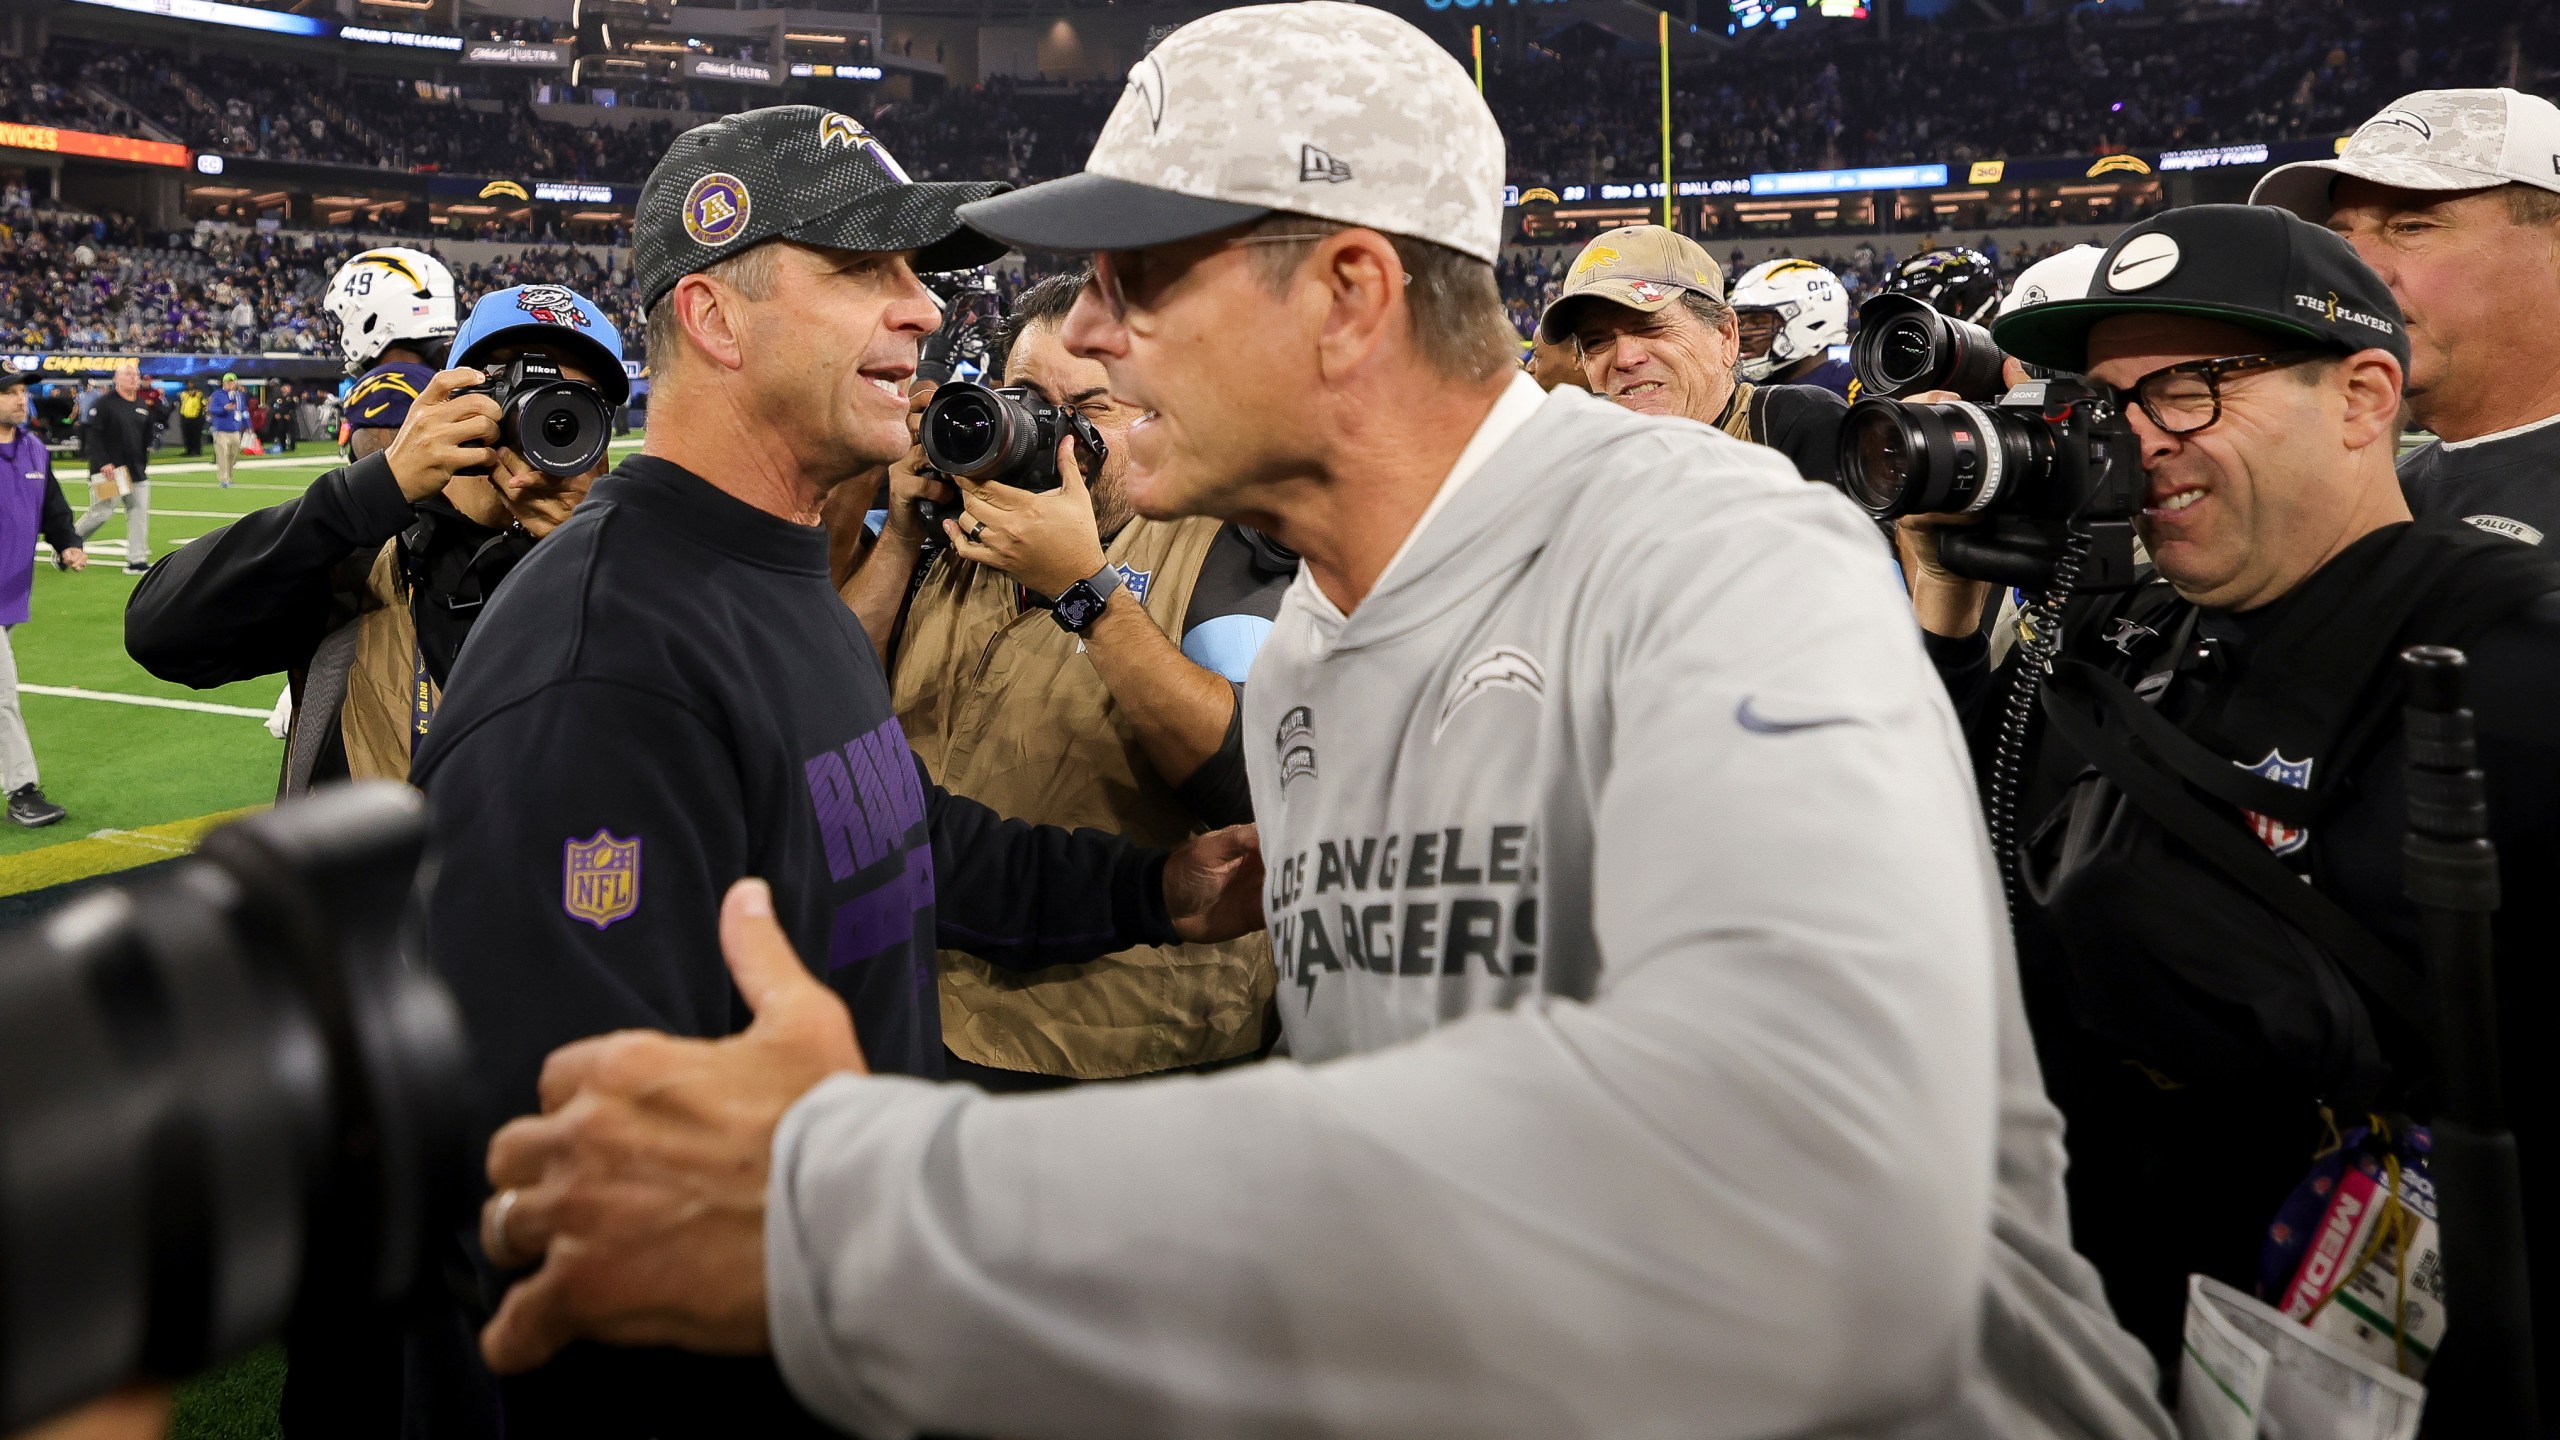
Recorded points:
(669, 695)
(363, 588)
(2207, 1015)
(1123, 717)
(1644, 308)
(2453, 197)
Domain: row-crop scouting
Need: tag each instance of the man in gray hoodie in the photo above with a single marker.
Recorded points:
(1665, 1075)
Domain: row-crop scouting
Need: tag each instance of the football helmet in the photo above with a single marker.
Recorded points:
(1955, 281)
(1811, 306)
(389, 296)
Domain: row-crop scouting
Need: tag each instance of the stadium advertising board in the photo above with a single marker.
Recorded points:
(804, 70)
(516, 55)
(715, 67)
(93, 146)
(549, 192)
(278, 22)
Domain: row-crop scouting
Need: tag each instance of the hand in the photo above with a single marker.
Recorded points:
(1213, 885)
(912, 482)
(539, 502)
(1047, 539)
(1944, 602)
(444, 435)
(639, 1190)
(75, 558)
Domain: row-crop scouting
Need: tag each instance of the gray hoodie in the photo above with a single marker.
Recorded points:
(1626, 879)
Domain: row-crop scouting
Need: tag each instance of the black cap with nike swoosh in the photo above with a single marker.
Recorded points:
(2251, 265)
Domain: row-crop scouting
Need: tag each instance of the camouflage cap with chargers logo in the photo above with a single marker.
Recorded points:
(2442, 140)
(1319, 108)
(2251, 265)
(1643, 267)
(794, 172)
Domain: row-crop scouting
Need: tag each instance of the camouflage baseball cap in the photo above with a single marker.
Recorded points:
(1341, 112)
(1643, 267)
(2431, 140)
(793, 172)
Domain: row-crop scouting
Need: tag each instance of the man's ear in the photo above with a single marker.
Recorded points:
(1360, 276)
(712, 316)
(1729, 339)
(2372, 382)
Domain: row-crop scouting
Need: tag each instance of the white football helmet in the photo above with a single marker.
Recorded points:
(2064, 276)
(386, 296)
(1811, 306)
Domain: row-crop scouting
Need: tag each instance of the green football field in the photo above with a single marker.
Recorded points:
(144, 766)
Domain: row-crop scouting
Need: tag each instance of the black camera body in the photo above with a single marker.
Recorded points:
(2051, 462)
(1009, 435)
(559, 425)
(972, 321)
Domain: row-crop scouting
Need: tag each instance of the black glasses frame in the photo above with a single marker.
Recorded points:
(2213, 373)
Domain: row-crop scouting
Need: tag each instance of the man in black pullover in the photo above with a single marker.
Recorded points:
(669, 696)
(116, 441)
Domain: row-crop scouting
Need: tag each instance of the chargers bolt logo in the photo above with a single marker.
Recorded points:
(716, 209)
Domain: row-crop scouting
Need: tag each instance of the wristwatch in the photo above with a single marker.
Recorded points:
(1081, 603)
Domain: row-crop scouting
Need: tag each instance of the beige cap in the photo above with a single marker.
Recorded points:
(2431, 140)
(1341, 112)
(1643, 267)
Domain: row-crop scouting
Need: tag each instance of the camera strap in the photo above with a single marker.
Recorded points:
(2080, 700)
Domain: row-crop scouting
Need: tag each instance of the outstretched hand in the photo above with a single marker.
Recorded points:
(637, 1197)
(1213, 885)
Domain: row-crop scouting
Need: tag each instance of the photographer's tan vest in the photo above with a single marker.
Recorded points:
(361, 673)
(1005, 708)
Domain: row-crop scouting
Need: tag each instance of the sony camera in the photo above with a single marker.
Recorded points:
(227, 1101)
(974, 432)
(559, 425)
(2051, 463)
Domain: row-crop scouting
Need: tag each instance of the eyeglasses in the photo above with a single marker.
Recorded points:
(1126, 279)
(2185, 398)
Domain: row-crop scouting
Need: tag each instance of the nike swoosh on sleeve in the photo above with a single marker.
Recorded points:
(1758, 724)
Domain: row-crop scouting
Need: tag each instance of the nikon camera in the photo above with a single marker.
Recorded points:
(559, 425)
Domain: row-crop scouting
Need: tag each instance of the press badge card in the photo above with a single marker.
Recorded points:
(2251, 1372)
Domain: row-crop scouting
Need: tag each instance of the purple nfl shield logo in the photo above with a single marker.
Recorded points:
(2277, 836)
(600, 879)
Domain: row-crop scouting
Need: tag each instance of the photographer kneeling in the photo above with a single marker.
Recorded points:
(363, 588)
(2202, 800)
(1068, 662)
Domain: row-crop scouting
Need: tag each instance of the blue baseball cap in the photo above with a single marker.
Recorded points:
(552, 315)
(382, 397)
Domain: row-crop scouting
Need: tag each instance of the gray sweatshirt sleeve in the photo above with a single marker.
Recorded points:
(1743, 1192)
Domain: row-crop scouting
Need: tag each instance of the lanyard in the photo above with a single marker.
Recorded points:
(422, 704)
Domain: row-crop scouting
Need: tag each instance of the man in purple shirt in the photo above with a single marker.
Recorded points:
(31, 504)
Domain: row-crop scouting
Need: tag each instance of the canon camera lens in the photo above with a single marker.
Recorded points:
(1904, 347)
(1960, 458)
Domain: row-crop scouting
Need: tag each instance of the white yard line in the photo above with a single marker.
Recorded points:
(73, 692)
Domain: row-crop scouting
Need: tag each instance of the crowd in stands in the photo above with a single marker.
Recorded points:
(1810, 97)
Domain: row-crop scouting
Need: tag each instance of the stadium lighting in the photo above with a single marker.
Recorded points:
(812, 39)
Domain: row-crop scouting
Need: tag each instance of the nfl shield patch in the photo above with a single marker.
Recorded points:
(1137, 581)
(2279, 837)
(600, 880)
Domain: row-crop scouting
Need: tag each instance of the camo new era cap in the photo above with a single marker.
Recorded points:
(1643, 267)
(794, 172)
(2431, 140)
(1319, 108)
(2251, 265)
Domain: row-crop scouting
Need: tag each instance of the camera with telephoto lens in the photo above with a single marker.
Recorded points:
(559, 425)
(228, 1104)
(2050, 464)
(1904, 347)
(1009, 435)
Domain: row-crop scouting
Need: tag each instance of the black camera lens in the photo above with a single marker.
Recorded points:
(226, 1100)
(975, 433)
(1902, 459)
(560, 428)
(1904, 347)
